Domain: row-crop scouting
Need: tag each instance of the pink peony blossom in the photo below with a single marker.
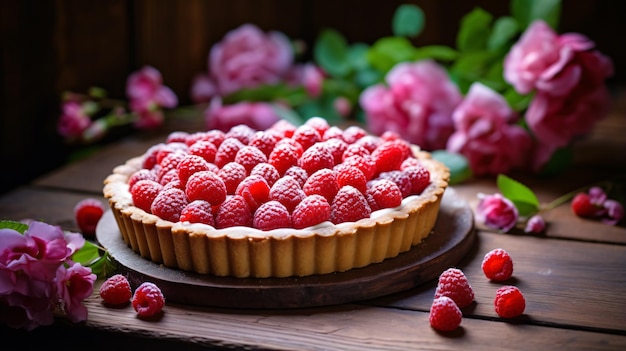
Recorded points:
(257, 115)
(73, 285)
(74, 121)
(417, 103)
(484, 135)
(496, 212)
(148, 95)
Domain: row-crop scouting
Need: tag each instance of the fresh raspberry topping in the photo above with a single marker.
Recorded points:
(141, 174)
(249, 156)
(150, 156)
(322, 182)
(232, 174)
(388, 156)
(190, 165)
(369, 142)
(264, 141)
(241, 132)
(385, 194)
(148, 300)
(509, 302)
(333, 132)
(402, 180)
(215, 136)
(116, 290)
(583, 207)
(409, 162)
(267, 171)
(351, 175)
(198, 211)
(283, 156)
(419, 177)
(255, 190)
(169, 203)
(205, 149)
(315, 158)
(293, 144)
(227, 151)
(365, 163)
(306, 136)
(444, 314)
(336, 147)
(318, 123)
(177, 136)
(234, 211)
(353, 133)
(297, 173)
(169, 162)
(287, 191)
(283, 128)
(354, 149)
(144, 192)
(454, 284)
(313, 209)
(271, 215)
(497, 265)
(169, 177)
(167, 149)
(206, 185)
(349, 205)
(87, 214)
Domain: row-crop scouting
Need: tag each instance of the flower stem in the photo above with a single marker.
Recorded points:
(567, 197)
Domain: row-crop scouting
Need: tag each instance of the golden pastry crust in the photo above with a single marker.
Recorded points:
(248, 252)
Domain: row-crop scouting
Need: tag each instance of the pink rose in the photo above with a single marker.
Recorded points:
(484, 135)
(74, 121)
(202, 89)
(417, 103)
(257, 115)
(496, 212)
(247, 58)
(147, 96)
(308, 76)
(74, 284)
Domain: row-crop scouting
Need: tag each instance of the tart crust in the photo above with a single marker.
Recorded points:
(247, 252)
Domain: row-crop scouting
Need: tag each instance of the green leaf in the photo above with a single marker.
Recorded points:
(527, 11)
(517, 101)
(331, 53)
(17, 226)
(87, 254)
(436, 52)
(475, 30)
(522, 197)
(357, 56)
(408, 20)
(505, 29)
(389, 51)
(458, 164)
(471, 67)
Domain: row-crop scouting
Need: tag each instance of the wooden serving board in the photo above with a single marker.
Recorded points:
(452, 238)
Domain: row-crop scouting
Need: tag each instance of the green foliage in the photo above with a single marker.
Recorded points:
(475, 31)
(527, 11)
(458, 164)
(95, 257)
(331, 53)
(522, 197)
(408, 20)
(17, 226)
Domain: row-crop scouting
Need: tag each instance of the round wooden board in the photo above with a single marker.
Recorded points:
(452, 238)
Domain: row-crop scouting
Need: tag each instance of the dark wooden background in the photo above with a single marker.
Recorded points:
(48, 47)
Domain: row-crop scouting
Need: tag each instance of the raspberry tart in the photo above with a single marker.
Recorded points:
(286, 201)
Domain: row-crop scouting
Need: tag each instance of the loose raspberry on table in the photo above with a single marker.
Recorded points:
(315, 158)
(497, 265)
(144, 192)
(189, 165)
(349, 205)
(267, 171)
(232, 174)
(148, 300)
(169, 203)
(313, 209)
(322, 182)
(444, 314)
(384, 193)
(255, 190)
(116, 290)
(234, 211)
(227, 151)
(287, 191)
(454, 284)
(509, 302)
(198, 211)
(87, 214)
(205, 149)
(271, 215)
(583, 207)
(177, 136)
(206, 185)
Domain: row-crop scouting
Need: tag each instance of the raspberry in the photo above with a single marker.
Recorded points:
(318, 123)
(87, 214)
(402, 180)
(583, 207)
(409, 162)
(322, 182)
(336, 147)
(167, 149)
(444, 314)
(169, 163)
(497, 265)
(349, 205)
(249, 156)
(264, 141)
(144, 192)
(369, 142)
(509, 302)
(313, 209)
(205, 149)
(177, 136)
(148, 300)
(385, 194)
(169, 203)
(297, 173)
(139, 175)
(419, 177)
(241, 132)
(364, 163)
(232, 174)
(353, 133)
(315, 158)
(214, 136)
(271, 215)
(234, 211)
(267, 171)
(283, 128)
(170, 176)
(190, 165)
(388, 156)
(354, 149)
(454, 284)
(287, 191)
(283, 156)
(206, 185)
(227, 151)
(333, 132)
(198, 211)
(255, 190)
(351, 175)
(306, 136)
(115, 290)
(150, 156)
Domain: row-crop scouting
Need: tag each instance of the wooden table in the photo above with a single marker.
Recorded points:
(573, 277)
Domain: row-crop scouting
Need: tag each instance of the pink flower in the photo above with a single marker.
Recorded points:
(202, 89)
(614, 212)
(74, 121)
(484, 135)
(496, 212)
(247, 58)
(307, 75)
(417, 103)
(257, 115)
(74, 284)
(148, 95)
(536, 224)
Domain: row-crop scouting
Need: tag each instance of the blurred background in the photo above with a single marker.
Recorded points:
(48, 47)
